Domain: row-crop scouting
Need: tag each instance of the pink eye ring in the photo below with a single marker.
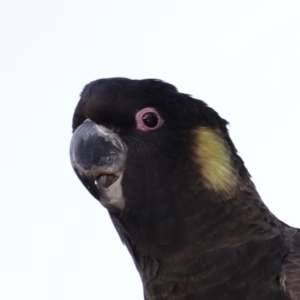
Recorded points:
(148, 119)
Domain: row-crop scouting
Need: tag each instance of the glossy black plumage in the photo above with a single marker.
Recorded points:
(189, 241)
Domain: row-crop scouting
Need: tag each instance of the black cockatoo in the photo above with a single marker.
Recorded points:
(179, 195)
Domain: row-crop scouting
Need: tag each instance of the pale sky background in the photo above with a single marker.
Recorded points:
(241, 57)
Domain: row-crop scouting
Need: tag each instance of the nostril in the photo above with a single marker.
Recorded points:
(105, 180)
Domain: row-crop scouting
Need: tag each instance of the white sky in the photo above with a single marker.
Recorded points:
(241, 57)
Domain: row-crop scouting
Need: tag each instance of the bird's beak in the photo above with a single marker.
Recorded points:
(98, 157)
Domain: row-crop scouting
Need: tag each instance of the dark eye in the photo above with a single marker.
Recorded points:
(148, 119)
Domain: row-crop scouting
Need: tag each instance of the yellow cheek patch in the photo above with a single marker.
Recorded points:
(213, 157)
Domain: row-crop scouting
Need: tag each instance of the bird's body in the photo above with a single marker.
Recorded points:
(179, 195)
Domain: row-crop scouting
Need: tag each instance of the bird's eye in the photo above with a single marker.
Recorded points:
(148, 119)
